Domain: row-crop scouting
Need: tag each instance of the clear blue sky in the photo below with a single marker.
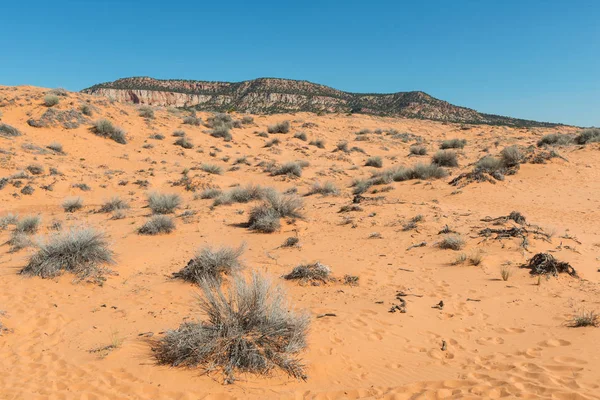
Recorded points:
(532, 59)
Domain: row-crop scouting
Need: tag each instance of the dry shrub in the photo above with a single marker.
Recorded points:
(209, 264)
(251, 328)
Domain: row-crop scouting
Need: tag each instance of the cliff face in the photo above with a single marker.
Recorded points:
(270, 95)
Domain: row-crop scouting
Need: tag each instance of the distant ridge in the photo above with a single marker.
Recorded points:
(275, 95)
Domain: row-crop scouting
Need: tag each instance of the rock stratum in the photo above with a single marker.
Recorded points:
(273, 95)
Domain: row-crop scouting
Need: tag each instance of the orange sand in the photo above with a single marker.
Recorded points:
(514, 342)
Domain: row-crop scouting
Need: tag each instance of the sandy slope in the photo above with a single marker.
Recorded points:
(512, 342)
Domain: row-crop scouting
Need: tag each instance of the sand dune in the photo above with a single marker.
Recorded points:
(506, 339)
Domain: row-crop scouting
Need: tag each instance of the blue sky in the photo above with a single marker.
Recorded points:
(530, 58)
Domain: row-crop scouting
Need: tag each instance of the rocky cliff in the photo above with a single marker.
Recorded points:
(271, 95)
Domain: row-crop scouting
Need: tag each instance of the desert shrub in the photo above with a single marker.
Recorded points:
(118, 214)
(9, 219)
(55, 146)
(146, 112)
(106, 129)
(280, 127)
(210, 264)
(264, 219)
(453, 144)
(19, 241)
(29, 224)
(192, 120)
(211, 169)
(79, 251)
(555, 139)
(326, 189)
(300, 135)
(157, 224)
(246, 119)
(588, 136)
(82, 186)
(178, 133)
(376, 162)
(72, 204)
(412, 223)
(315, 272)
(424, 171)
(157, 136)
(210, 193)
(114, 203)
(86, 110)
(585, 318)
(452, 242)
(286, 206)
(361, 186)
(418, 150)
(489, 164)
(342, 146)
(161, 203)
(273, 142)
(51, 100)
(35, 169)
(58, 92)
(293, 169)
(363, 132)
(184, 142)
(220, 119)
(445, 158)
(243, 194)
(9, 131)
(250, 329)
(511, 156)
(221, 131)
(319, 143)
(27, 190)
(292, 241)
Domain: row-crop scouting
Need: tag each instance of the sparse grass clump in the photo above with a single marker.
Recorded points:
(555, 139)
(106, 129)
(250, 329)
(511, 156)
(19, 241)
(265, 218)
(210, 264)
(586, 136)
(300, 135)
(325, 189)
(178, 134)
(212, 169)
(247, 119)
(146, 112)
(9, 131)
(9, 219)
(242, 195)
(445, 158)
(79, 251)
(115, 203)
(55, 146)
(221, 131)
(28, 225)
(157, 224)
(280, 127)
(161, 203)
(584, 318)
(489, 164)
(315, 272)
(376, 162)
(35, 169)
(72, 204)
(192, 120)
(86, 110)
(418, 150)
(292, 169)
(157, 136)
(452, 242)
(292, 241)
(273, 142)
(412, 223)
(319, 143)
(505, 273)
(453, 144)
(51, 100)
(210, 193)
(184, 142)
